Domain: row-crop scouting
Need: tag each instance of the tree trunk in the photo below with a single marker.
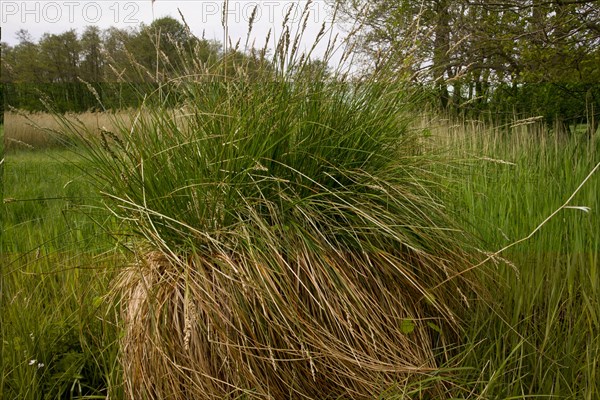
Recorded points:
(440, 50)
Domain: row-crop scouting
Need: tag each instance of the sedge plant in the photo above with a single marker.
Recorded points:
(289, 242)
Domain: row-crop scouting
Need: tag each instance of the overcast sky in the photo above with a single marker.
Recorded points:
(203, 16)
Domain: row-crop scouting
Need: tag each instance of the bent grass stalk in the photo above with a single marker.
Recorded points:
(528, 237)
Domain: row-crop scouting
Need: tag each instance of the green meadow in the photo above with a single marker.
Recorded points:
(540, 337)
(58, 330)
(537, 335)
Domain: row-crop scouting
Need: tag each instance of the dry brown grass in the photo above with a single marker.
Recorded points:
(210, 333)
(34, 131)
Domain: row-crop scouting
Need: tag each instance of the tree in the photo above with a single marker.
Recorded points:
(7, 73)
(467, 49)
(160, 46)
(92, 62)
(3, 48)
(115, 42)
(61, 56)
(23, 61)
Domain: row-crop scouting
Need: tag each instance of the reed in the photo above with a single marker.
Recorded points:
(37, 131)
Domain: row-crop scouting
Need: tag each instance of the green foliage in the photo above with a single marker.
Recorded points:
(469, 53)
(107, 70)
(565, 104)
(76, 97)
(47, 190)
(56, 339)
(229, 133)
(303, 200)
(292, 233)
(540, 336)
(59, 54)
(55, 343)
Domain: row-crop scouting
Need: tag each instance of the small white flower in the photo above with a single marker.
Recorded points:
(40, 365)
(32, 362)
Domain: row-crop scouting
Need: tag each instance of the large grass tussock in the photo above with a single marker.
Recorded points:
(289, 241)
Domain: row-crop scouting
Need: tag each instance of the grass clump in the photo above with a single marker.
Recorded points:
(289, 242)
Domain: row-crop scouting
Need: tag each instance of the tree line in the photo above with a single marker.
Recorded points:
(115, 68)
(505, 58)
(78, 72)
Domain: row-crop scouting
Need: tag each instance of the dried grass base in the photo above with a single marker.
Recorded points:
(209, 330)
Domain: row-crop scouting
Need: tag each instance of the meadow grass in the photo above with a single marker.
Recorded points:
(541, 335)
(295, 234)
(305, 205)
(45, 203)
(37, 131)
(539, 338)
(58, 332)
(289, 241)
(291, 236)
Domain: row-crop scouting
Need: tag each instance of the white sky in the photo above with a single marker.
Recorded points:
(42, 16)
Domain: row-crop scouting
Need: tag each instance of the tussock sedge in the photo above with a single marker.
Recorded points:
(289, 242)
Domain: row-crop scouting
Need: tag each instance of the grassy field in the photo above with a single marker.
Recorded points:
(38, 131)
(58, 330)
(541, 335)
(537, 337)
